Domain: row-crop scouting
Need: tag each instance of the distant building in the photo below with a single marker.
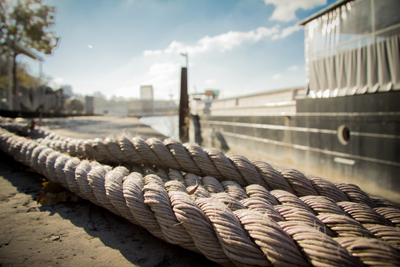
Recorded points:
(147, 98)
(147, 106)
(89, 105)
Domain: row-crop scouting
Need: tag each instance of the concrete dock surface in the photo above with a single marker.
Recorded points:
(90, 127)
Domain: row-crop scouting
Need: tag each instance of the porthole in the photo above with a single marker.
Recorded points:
(343, 134)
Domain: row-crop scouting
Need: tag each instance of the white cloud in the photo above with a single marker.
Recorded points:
(58, 80)
(294, 67)
(161, 72)
(276, 76)
(211, 83)
(286, 9)
(152, 52)
(162, 76)
(90, 46)
(286, 32)
(223, 42)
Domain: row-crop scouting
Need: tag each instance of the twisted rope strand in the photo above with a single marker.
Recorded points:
(372, 252)
(198, 226)
(234, 240)
(320, 249)
(266, 233)
(132, 187)
(156, 197)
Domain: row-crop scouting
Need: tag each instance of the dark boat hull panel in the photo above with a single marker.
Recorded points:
(308, 140)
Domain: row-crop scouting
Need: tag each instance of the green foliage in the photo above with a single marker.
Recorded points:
(23, 76)
(28, 22)
(23, 79)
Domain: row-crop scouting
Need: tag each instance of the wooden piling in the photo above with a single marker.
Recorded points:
(184, 108)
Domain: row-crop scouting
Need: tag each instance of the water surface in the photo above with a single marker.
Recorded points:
(166, 125)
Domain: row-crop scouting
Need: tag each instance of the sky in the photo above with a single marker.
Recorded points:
(236, 46)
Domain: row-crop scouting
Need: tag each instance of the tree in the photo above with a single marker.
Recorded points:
(29, 23)
(24, 77)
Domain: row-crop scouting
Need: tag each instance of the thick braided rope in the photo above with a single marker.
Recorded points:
(320, 179)
(193, 159)
(232, 167)
(220, 217)
(363, 196)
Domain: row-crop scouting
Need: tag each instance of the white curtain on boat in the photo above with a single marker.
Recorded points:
(354, 49)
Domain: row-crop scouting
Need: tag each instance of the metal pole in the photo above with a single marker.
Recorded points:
(184, 103)
(10, 98)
